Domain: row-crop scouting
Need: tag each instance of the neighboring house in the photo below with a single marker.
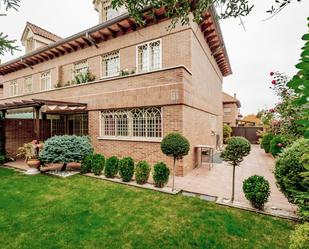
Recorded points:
(231, 107)
(148, 82)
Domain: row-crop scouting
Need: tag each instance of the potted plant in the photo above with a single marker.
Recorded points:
(30, 152)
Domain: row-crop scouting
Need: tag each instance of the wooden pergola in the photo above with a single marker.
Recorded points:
(37, 104)
(117, 27)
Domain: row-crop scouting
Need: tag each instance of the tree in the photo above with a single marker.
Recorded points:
(175, 145)
(7, 45)
(237, 148)
(179, 10)
(300, 85)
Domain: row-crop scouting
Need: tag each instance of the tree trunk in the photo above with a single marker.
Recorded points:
(233, 186)
(173, 185)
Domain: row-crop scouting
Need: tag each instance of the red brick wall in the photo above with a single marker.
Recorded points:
(20, 131)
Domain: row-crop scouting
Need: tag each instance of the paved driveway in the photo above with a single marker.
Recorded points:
(218, 180)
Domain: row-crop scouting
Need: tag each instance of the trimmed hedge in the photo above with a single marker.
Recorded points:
(66, 149)
(98, 161)
(290, 173)
(256, 190)
(86, 164)
(160, 174)
(4, 159)
(126, 169)
(111, 167)
(265, 142)
(276, 145)
(142, 171)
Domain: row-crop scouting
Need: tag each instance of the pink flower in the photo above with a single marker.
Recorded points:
(272, 73)
(272, 110)
(273, 82)
(280, 145)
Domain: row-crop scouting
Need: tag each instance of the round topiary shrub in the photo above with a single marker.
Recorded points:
(256, 190)
(300, 237)
(266, 139)
(111, 167)
(66, 149)
(97, 161)
(160, 174)
(175, 145)
(276, 145)
(142, 171)
(126, 169)
(86, 164)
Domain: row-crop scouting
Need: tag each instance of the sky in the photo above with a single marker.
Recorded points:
(262, 47)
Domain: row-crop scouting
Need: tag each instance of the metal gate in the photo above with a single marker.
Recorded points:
(249, 133)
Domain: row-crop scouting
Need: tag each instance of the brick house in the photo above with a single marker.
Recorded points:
(148, 82)
(231, 107)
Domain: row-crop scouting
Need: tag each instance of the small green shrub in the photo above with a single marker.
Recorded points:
(227, 131)
(160, 174)
(66, 149)
(4, 159)
(266, 139)
(300, 237)
(111, 167)
(256, 190)
(276, 145)
(86, 164)
(126, 169)
(142, 171)
(98, 161)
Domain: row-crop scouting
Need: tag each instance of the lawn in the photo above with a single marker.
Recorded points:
(80, 212)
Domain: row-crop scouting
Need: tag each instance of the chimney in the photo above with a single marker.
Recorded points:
(235, 95)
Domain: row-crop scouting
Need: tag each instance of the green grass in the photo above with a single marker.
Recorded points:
(80, 212)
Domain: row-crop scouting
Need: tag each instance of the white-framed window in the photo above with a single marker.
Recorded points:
(110, 64)
(46, 81)
(108, 11)
(28, 84)
(80, 67)
(134, 124)
(227, 110)
(13, 90)
(149, 56)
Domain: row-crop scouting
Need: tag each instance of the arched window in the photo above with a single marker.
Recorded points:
(132, 124)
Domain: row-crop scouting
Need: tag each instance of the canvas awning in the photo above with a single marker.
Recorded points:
(44, 105)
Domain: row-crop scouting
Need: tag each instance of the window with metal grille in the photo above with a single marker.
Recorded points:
(111, 64)
(132, 123)
(108, 11)
(80, 67)
(28, 84)
(149, 56)
(46, 81)
(13, 90)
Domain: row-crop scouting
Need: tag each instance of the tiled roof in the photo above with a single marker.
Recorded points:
(230, 99)
(42, 32)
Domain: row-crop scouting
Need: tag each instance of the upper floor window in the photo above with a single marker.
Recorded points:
(149, 56)
(80, 67)
(46, 81)
(13, 90)
(227, 110)
(111, 64)
(138, 123)
(108, 11)
(28, 85)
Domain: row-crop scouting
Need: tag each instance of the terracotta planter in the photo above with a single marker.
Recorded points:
(34, 163)
(74, 165)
